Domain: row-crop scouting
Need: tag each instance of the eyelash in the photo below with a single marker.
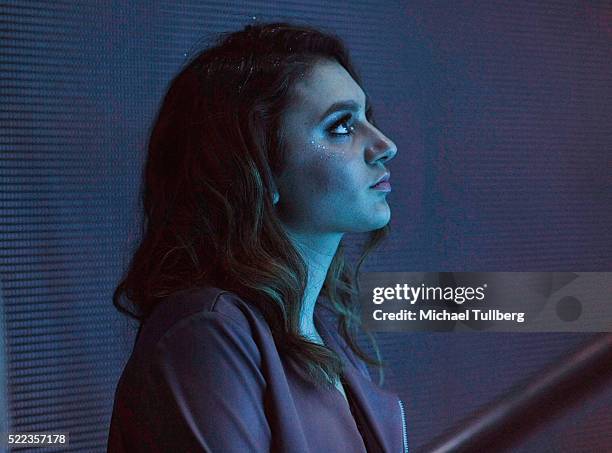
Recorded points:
(350, 128)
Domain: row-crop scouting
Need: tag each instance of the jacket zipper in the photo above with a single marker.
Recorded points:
(404, 434)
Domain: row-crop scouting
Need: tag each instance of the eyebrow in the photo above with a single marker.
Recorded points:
(344, 105)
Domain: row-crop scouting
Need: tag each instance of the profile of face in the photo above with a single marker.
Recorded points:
(333, 157)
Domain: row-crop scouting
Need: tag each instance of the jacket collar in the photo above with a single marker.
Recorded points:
(379, 408)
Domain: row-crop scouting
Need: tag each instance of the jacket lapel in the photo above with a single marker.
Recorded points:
(378, 409)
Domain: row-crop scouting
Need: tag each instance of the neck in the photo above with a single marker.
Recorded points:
(317, 251)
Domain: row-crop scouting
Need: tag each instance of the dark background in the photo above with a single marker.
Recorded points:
(501, 113)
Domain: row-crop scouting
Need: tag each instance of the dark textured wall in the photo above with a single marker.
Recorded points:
(501, 113)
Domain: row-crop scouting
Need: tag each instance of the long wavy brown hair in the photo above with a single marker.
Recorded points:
(208, 216)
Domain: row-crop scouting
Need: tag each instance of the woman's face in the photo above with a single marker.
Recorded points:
(333, 157)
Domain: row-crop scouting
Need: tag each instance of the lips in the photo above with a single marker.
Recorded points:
(382, 185)
(384, 178)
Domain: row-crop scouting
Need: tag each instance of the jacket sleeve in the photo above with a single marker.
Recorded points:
(207, 377)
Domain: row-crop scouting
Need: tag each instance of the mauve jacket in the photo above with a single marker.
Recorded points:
(205, 376)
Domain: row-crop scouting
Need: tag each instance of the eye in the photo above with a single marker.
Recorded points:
(342, 124)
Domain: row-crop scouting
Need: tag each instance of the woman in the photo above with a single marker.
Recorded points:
(262, 157)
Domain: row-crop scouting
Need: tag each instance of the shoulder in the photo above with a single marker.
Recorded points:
(198, 312)
(198, 354)
(200, 335)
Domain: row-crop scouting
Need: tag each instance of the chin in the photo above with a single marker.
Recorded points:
(382, 223)
(364, 219)
(382, 217)
(375, 222)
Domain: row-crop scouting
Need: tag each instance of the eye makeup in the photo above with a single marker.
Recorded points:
(344, 120)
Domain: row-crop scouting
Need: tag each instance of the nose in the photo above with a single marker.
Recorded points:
(381, 148)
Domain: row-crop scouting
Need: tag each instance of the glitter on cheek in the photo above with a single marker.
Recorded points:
(325, 167)
(324, 152)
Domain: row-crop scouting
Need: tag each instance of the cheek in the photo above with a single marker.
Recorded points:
(327, 169)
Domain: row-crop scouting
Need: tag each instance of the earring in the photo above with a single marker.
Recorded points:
(275, 198)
